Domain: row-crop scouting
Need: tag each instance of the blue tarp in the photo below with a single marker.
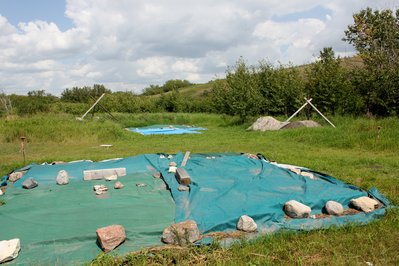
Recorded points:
(167, 130)
(224, 187)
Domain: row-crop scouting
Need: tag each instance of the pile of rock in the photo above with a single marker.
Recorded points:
(269, 123)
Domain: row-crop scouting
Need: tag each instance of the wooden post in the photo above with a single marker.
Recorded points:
(22, 138)
(83, 116)
(314, 107)
(303, 106)
(185, 158)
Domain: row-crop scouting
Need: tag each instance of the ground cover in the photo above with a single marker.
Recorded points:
(360, 151)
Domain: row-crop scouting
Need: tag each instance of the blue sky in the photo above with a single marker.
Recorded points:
(17, 11)
(128, 45)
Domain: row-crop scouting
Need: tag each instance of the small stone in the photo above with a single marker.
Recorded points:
(170, 156)
(172, 164)
(334, 208)
(141, 185)
(110, 237)
(182, 233)
(62, 178)
(100, 189)
(9, 249)
(111, 177)
(310, 175)
(183, 188)
(172, 169)
(1, 192)
(295, 209)
(118, 185)
(364, 204)
(295, 170)
(13, 177)
(246, 224)
(156, 175)
(29, 183)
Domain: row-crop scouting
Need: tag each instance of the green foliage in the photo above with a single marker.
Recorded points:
(169, 85)
(36, 102)
(375, 36)
(84, 94)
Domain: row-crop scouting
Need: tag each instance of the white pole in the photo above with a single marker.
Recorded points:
(314, 107)
(298, 111)
(83, 116)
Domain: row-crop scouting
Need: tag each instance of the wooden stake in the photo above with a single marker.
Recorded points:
(22, 138)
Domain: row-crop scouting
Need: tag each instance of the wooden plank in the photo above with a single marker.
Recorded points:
(185, 159)
(182, 176)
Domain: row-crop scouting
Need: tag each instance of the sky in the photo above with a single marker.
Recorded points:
(128, 45)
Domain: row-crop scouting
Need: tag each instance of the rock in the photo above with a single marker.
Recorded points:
(110, 237)
(9, 249)
(100, 189)
(267, 123)
(365, 204)
(62, 178)
(172, 169)
(307, 174)
(118, 185)
(111, 177)
(182, 233)
(295, 209)
(295, 170)
(304, 123)
(58, 162)
(334, 208)
(172, 164)
(1, 192)
(183, 188)
(15, 176)
(29, 183)
(246, 224)
(156, 175)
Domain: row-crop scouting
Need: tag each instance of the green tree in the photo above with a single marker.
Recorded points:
(327, 83)
(239, 93)
(375, 35)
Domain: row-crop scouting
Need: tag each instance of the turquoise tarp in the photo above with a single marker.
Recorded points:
(167, 130)
(56, 224)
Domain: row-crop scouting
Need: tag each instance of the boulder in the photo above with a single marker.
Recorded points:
(15, 176)
(9, 249)
(110, 237)
(62, 178)
(246, 224)
(365, 204)
(334, 208)
(183, 233)
(29, 183)
(118, 185)
(183, 188)
(267, 123)
(304, 123)
(295, 209)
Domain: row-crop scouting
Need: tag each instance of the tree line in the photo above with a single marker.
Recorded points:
(371, 87)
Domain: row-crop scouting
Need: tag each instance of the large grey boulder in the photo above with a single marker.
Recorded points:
(267, 123)
(15, 176)
(29, 183)
(9, 249)
(295, 209)
(304, 123)
(334, 208)
(246, 224)
(62, 178)
(183, 233)
(365, 204)
(110, 237)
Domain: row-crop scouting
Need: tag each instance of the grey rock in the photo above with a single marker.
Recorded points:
(295, 209)
(15, 176)
(62, 178)
(118, 185)
(100, 189)
(267, 123)
(9, 249)
(183, 188)
(365, 204)
(183, 233)
(334, 208)
(29, 183)
(246, 224)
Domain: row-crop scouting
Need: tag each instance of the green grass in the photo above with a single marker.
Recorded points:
(359, 151)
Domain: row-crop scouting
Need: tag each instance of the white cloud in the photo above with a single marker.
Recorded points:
(130, 44)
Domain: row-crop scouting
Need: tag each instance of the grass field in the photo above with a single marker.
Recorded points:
(360, 151)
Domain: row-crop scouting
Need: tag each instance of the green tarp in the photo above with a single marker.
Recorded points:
(57, 224)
